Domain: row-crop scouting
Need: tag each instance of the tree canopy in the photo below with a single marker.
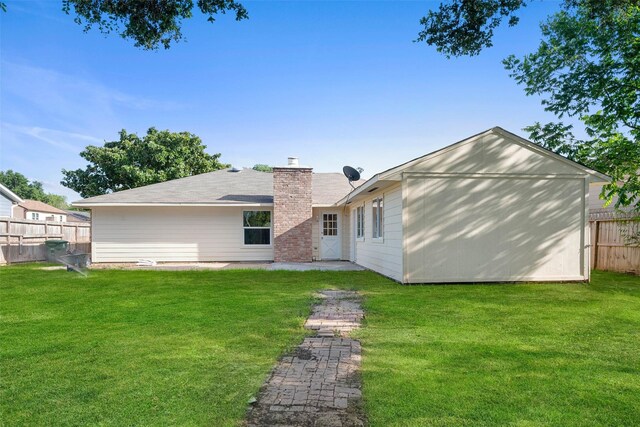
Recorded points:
(587, 66)
(133, 161)
(150, 23)
(32, 190)
(462, 27)
(262, 167)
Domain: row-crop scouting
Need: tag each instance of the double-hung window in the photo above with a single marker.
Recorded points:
(360, 222)
(377, 219)
(257, 227)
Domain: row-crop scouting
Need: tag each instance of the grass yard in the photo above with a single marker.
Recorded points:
(520, 355)
(190, 348)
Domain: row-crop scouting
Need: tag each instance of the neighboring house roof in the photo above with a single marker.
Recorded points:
(223, 187)
(10, 194)
(77, 216)
(35, 205)
(395, 172)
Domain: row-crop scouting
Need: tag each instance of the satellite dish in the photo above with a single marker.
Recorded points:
(351, 173)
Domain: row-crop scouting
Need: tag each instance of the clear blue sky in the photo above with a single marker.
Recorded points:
(331, 82)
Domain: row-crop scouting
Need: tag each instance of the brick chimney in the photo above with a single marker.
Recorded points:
(292, 215)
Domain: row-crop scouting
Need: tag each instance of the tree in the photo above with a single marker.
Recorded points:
(587, 66)
(132, 162)
(150, 23)
(463, 27)
(262, 168)
(32, 190)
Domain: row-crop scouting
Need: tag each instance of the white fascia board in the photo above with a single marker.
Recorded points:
(10, 194)
(395, 172)
(97, 205)
(370, 182)
(551, 154)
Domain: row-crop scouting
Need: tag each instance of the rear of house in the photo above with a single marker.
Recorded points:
(493, 207)
(227, 215)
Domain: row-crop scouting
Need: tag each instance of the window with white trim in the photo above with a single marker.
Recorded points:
(360, 222)
(35, 215)
(257, 227)
(377, 219)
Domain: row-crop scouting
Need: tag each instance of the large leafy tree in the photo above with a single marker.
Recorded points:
(33, 190)
(587, 67)
(133, 161)
(465, 27)
(149, 23)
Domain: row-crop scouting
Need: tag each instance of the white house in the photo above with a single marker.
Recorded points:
(493, 207)
(39, 211)
(8, 201)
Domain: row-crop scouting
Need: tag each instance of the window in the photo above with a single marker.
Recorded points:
(377, 220)
(330, 224)
(257, 227)
(35, 215)
(360, 222)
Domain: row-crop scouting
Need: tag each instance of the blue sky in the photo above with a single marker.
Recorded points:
(331, 82)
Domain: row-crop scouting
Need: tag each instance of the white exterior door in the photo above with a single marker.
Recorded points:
(330, 239)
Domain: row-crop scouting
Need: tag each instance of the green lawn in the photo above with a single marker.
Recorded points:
(190, 348)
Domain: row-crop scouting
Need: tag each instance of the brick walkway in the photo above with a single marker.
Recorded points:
(319, 385)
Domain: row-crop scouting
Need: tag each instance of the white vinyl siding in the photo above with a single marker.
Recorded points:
(346, 235)
(127, 234)
(494, 229)
(6, 206)
(494, 210)
(45, 216)
(383, 255)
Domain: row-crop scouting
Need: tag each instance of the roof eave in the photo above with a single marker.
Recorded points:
(142, 204)
(10, 194)
(544, 151)
(370, 182)
(395, 172)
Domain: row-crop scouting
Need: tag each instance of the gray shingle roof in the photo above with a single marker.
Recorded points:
(223, 186)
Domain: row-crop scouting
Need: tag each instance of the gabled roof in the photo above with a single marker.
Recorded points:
(10, 194)
(394, 173)
(38, 206)
(224, 187)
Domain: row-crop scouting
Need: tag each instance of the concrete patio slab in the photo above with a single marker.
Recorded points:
(317, 265)
(178, 266)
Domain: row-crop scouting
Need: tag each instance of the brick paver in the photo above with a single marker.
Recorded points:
(319, 384)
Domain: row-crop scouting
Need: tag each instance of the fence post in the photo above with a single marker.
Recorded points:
(8, 241)
(596, 243)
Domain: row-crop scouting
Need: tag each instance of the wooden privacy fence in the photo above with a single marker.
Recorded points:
(613, 246)
(22, 240)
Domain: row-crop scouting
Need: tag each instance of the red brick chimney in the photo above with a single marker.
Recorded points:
(292, 215)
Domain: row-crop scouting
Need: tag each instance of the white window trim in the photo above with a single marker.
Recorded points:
(35, 216)
(376, 203)
(360, 238)
(257, 245)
